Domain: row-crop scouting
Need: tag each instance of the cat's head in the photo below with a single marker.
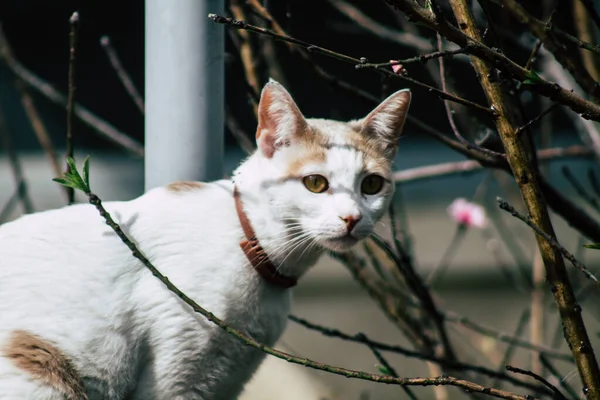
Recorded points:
(330, 181)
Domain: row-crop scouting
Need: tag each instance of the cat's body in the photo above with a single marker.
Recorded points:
(116, 321)
(79, 314)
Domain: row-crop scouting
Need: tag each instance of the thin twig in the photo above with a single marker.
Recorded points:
(374, 260)
(242, 139)
(50, 92)
(589, 5)
(378, 29)
(557, 393)
(400, 227)
(554, 40)
(342, 57)
(505, 337)
(406, 323)
(440, 380)
(585, 30)
(563, 384)
(510, 350)
(364, 339)
(533, 54)
(465, 167)
(11, 203)
(422, 59)
(554, 91)
(420, 289)
(391, 370)
(585, 129)
(450, 113)
(553, 243)
(440, 269)
(246, 52)
(74, 21)
(122, 74)
(579, 189)
(593, 179)
(381, 359)
(538, 44)
(358, 272)
(16, 167)
(522, 128)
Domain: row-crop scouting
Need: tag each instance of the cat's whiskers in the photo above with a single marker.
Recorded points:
(288, 245)
(312, 244)
(273, 253)
(310, 241)
(291, 247)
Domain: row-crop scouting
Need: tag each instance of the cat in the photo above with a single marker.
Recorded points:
(81, 318)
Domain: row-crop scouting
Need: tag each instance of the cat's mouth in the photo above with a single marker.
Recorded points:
(340, 243)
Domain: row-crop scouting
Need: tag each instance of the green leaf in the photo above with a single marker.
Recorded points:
(595, 246)
(86, 171)
(73, 179)
(383, 370)
(68, 181)
(72, 166)
(532, 78)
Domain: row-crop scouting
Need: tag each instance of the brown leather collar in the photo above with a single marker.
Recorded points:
(256, 254)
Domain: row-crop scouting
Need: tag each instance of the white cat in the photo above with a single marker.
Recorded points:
(81, 318)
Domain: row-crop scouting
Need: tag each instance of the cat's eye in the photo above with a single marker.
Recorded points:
(316, 183)
(372, 184)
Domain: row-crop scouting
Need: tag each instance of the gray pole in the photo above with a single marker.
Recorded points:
(184, 87)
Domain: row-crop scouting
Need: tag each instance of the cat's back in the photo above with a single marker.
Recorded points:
(70, 255)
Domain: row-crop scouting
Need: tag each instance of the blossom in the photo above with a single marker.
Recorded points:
(466, 213)
(398, 68)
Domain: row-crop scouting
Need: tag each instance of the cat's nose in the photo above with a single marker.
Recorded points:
(351, 221)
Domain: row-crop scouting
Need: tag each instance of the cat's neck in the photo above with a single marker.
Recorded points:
(287, 248)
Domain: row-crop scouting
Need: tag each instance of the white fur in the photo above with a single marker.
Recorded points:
(67, 277)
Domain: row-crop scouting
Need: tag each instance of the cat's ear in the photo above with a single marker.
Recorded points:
(279, 119)
(385, 123)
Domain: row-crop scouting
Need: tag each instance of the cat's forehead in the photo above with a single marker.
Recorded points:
(334, 142)
(329, 133)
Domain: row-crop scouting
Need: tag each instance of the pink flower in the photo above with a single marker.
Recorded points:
(398, 68)
(467, 213)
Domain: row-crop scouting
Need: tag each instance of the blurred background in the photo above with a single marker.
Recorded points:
(482, 277)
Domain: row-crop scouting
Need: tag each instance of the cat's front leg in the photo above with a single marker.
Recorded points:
(194, 369)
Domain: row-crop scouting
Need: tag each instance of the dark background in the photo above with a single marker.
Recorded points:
(38, 31)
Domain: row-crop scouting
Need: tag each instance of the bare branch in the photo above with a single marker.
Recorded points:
(551, 37)
(456, 365)
(551, 240)
(122, 74)
(17, 170)
(74, 21)
(586, 108)
(378, 29)
(342, 57)
(558, 394)
(47, 90)
(469, 166)
(423, 58)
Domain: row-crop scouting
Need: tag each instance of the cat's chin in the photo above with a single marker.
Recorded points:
(340, 244)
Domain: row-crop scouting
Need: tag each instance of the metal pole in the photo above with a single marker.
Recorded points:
(184, 122)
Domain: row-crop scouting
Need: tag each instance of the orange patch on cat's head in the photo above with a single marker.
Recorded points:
(328, 134)
(184, 186)
(312, 155)
(45, 362)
